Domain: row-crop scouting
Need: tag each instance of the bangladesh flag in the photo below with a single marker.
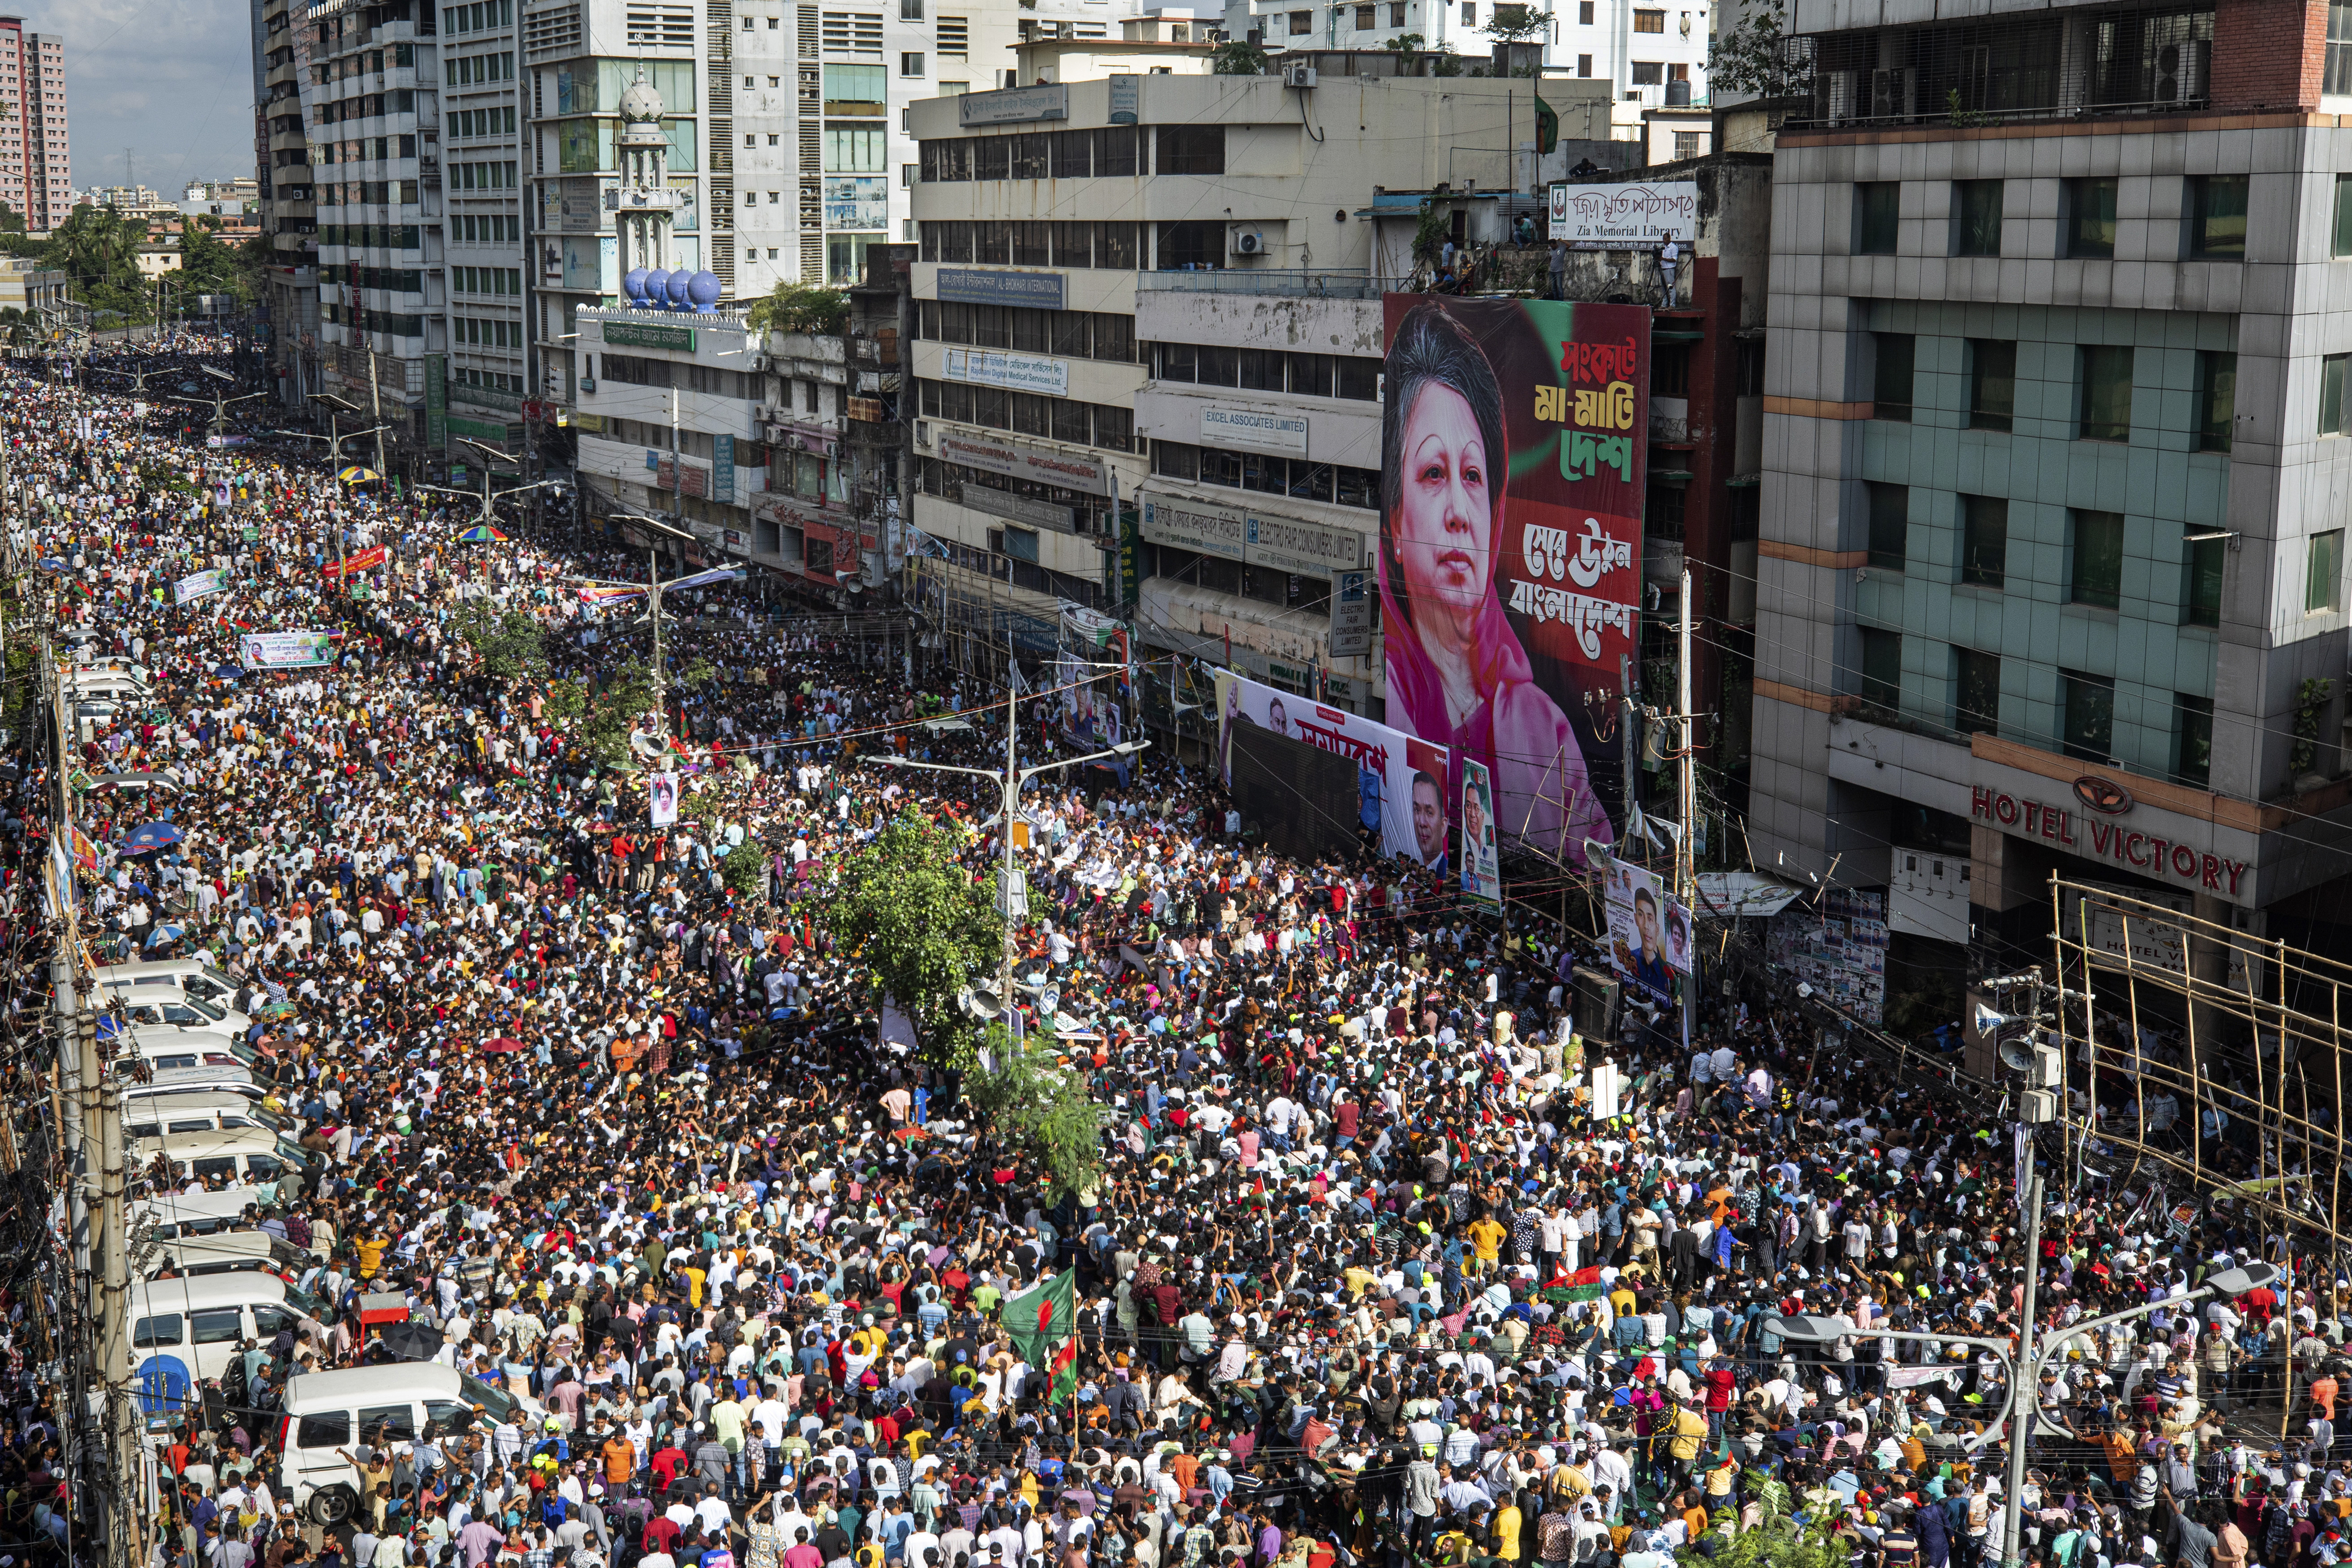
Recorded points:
(1044, 1322)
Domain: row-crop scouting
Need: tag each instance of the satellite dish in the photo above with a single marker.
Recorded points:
(2017, 1055)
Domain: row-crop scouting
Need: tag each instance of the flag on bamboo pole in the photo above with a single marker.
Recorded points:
(1044, 1322)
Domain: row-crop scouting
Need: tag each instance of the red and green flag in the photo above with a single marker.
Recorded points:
(1044, 1322)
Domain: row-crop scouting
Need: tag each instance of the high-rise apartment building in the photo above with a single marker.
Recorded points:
(2051, 573)
(35, 163)
(478, 348)
(283, 88)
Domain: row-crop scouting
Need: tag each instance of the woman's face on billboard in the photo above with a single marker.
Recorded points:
(1445, 522)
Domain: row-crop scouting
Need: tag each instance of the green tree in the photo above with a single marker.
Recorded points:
(98, 249)
(923, 926)
(208, 265)
(512, 645)
(1239, 57)
(744, 869)
(801, 307)
(1748, 58)
(1042, 1111)
(1405, 42)
(11, 220)
(1516, 24)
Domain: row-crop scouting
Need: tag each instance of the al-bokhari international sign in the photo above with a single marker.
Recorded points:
(1626, 216)
(1514, 448)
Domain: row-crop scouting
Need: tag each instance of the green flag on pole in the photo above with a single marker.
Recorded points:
(1044, 1324)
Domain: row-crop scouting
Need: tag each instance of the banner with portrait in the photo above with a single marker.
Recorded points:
(1513, 464)
(1400, 783)
(198, 585)
(285, 649)
(661, 795)
(1482, 875)
(1649, 932)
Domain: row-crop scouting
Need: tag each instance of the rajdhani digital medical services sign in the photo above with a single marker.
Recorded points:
(1514, 443)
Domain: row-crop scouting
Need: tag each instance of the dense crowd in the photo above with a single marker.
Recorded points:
(1361, 1281)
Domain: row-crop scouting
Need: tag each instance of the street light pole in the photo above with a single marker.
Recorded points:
(1011, 780)
(653, 608)
(2030, 1375)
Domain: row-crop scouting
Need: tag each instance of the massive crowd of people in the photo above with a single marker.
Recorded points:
(1361, 1281)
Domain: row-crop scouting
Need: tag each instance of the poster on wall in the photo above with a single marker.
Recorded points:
(1514, 442)
(1839, 948)
(1482, 875)
(1400, 780)
(1649, 932)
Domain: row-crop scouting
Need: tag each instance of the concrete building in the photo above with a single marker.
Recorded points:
(285, 89)
(480, 349)
(2051, 573)
(578, 58)
(1116, 276)
(35, 154)
(1654, 50)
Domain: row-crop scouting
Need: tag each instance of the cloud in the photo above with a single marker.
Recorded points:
(169, 80)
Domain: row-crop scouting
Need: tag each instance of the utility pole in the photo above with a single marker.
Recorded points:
(1686, 843)
(2025, 1402)
(375, 399)
(1630, 727)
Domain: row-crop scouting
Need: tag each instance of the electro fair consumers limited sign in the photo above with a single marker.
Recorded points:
(2104, 835)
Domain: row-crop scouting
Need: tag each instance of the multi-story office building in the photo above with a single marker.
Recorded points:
(284, 91)
(578, 57)
(1645, 46)
(35, 158)
(482, 148)
(1154, 295)
(2051, 574)
(376, 72)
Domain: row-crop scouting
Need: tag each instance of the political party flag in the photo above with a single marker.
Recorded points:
(1044, 1324)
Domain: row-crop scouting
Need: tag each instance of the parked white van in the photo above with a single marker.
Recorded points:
(165, 1050)
(174, 1215)
(153, 1002)
(147, 1115)
(193, 976)
(187, 1330)
(250, 1155)
(331, 1414)
(229, 1252)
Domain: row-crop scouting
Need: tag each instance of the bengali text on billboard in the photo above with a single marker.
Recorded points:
(1513, 445)
(1402, 780)
(286, 650)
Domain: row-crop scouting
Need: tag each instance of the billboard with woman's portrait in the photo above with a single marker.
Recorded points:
(1398, 790)
(1513, 445)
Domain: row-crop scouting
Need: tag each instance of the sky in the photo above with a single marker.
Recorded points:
(169, 80)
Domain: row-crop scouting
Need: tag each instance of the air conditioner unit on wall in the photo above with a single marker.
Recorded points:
(1892, 92)
(1249, 242)
(1298, 74)
(2180, 72)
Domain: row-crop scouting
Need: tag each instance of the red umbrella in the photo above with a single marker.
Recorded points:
(499, 1042)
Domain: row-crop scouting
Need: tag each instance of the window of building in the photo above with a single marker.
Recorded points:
(1469, 18)
(1976, 692)
(1993, 383)
(1686, 144)
(2089, 223)
(2201, 566)
(2095, 562)
(1365, 15)
(2322, 577)
(1584, 66)
(911, 10)
(2217, 399)
(910, 65)
(1649, 21)
(2192, 736)
(1984, 541)
(1648, 73)
(1976, 218)
(2106, 394)
(1891, 375)
(2089, 715)
(2341, 245)
(2337, 74)
(1882, 668)
(1302, 24)
(1584, 13)
(1878, 206)
(1192, 150)
(1396, 12)
(2334, 408)
(854, 149)
(2217, 218)
(1890, 525)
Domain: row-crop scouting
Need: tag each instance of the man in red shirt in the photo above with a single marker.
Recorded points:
(1719, 1381)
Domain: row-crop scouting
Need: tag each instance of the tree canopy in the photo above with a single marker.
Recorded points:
(923, 924)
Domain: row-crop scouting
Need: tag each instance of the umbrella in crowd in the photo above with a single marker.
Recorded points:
(481, 535)
(355, 474)
(155, 836)
(228, 673)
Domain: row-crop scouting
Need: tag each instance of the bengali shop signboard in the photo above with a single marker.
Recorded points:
(1514, 448)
